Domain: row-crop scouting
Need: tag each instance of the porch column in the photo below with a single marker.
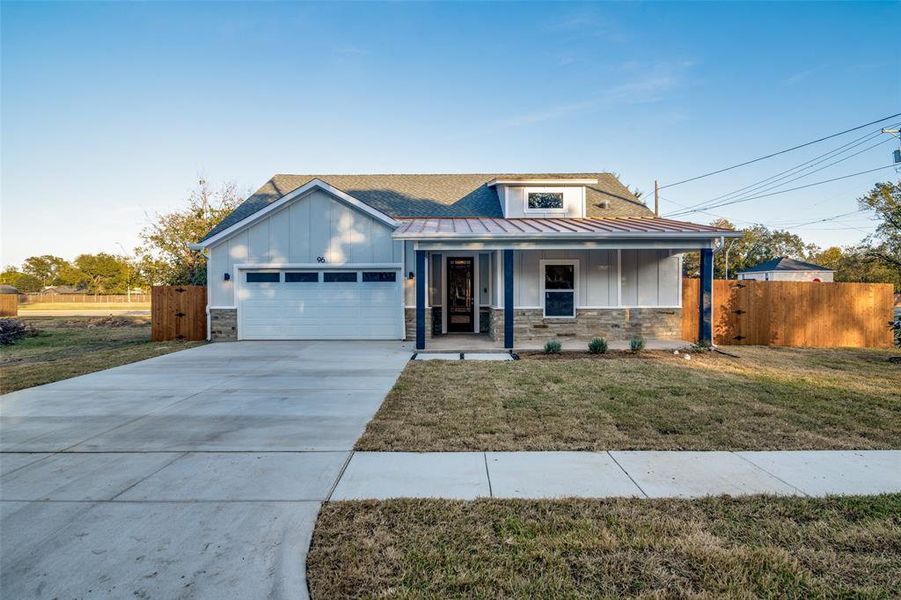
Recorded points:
(705, 329)
(508, 299)
(420, 299)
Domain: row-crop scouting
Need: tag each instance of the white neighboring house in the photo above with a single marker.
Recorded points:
(414, 256)
(787, 269)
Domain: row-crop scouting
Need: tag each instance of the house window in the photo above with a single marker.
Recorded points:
(340, 277)
(302, 277)
(258, 277)
(379, 276)
(560, 289)
(545, 200)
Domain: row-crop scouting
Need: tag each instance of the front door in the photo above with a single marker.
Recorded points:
(460, 295)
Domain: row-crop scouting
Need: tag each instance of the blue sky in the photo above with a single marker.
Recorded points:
(111, 110)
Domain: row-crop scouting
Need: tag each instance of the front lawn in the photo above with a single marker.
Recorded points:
(70, 346)
(714, 547)
(767, 398)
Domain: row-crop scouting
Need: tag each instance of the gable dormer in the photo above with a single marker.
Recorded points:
(541, 198)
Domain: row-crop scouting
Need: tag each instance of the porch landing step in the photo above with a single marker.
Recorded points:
(463, 356)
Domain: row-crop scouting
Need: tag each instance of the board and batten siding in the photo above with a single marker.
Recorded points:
(316, 225)
(648, 277)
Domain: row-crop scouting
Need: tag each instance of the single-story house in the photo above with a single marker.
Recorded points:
(787, 269)
(512, 257)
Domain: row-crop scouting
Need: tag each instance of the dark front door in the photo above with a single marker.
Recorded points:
(459, 295)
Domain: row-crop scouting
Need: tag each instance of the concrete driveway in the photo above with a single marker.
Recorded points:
(197, 474)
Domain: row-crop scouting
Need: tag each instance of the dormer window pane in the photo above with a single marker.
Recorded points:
(545, 200)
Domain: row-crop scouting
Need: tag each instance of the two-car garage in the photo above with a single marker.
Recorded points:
(320, 304)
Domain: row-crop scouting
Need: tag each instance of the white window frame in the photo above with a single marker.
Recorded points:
(543, 211)
(541, 273)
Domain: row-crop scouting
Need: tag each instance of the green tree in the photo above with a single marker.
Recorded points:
(46, 268)
(21, 281)
(164, 255)
(884, 200)
(102, 273)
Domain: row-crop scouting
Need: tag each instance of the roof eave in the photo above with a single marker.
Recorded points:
(679, 235)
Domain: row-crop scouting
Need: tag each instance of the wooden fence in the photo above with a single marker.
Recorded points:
(9, 305)
(793, 313)
(87, 298)
(178, 312)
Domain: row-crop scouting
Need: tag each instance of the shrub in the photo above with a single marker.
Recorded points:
(895, 326)
(636, 344)
(552, 347)
(597, 346)
(13, 330)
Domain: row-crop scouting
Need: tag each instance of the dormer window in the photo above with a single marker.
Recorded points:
(545, 201)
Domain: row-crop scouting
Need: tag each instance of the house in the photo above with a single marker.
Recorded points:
(513, 257)
(787, 269)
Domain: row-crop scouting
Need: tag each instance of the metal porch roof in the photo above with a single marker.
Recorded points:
(493, 228)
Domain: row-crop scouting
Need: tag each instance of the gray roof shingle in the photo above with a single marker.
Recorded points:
(783, 263)
(450, 195)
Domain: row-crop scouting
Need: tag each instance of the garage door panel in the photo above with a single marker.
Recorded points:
(321, 310)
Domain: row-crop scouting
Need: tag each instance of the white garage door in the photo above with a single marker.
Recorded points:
(320, 305)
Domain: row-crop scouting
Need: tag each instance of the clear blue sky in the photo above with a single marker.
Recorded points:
(110, 110)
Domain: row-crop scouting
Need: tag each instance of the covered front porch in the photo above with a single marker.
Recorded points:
(490, 294)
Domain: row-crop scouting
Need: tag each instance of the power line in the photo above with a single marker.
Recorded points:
(801, 187)
(822, 139)
(774, 185)
(771, 182)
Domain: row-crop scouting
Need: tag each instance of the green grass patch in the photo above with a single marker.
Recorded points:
(767, 398)
(714, 547)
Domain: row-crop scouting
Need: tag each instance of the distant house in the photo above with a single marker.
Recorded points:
(787, 269)
(61, 289)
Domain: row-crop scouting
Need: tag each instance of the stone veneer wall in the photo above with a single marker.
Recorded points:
(224, 324)
(410, 324)
(609, 323)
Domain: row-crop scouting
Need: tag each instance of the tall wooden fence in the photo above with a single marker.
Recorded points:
(87, 298)
(9, 305)
(178, 312)
(793, 313)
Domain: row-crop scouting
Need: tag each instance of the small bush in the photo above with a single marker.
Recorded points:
(552, 347)
(701, 346)
(597, 346)
(13, 330)
(636, 344)
(895, 326)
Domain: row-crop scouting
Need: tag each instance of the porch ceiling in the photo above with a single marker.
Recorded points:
(532, 228)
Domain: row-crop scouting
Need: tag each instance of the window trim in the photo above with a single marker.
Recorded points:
(575, 291)
(292, 271)
(248, 273)
(540, 211)
(356, 275)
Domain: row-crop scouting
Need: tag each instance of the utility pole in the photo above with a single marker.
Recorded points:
(656, 199)
(896, 155)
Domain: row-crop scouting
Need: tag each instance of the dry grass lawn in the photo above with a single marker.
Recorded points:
(70, 346)
(714, 547)
(767, 398)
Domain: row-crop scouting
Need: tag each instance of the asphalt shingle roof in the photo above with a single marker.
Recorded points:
(450, 195)
(783, 263)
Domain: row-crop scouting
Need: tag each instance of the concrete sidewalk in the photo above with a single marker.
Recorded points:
(469, 475)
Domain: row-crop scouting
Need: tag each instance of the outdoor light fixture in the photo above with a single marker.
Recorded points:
(411, 275)
(227, 276)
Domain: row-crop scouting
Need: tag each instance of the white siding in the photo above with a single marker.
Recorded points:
(649, 277)
(316, 225)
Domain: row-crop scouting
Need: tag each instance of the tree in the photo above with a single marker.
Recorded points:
(884, 200)
(102, 273)
(21, 281)
(165, 256)
(45, 268)
(756, 245)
